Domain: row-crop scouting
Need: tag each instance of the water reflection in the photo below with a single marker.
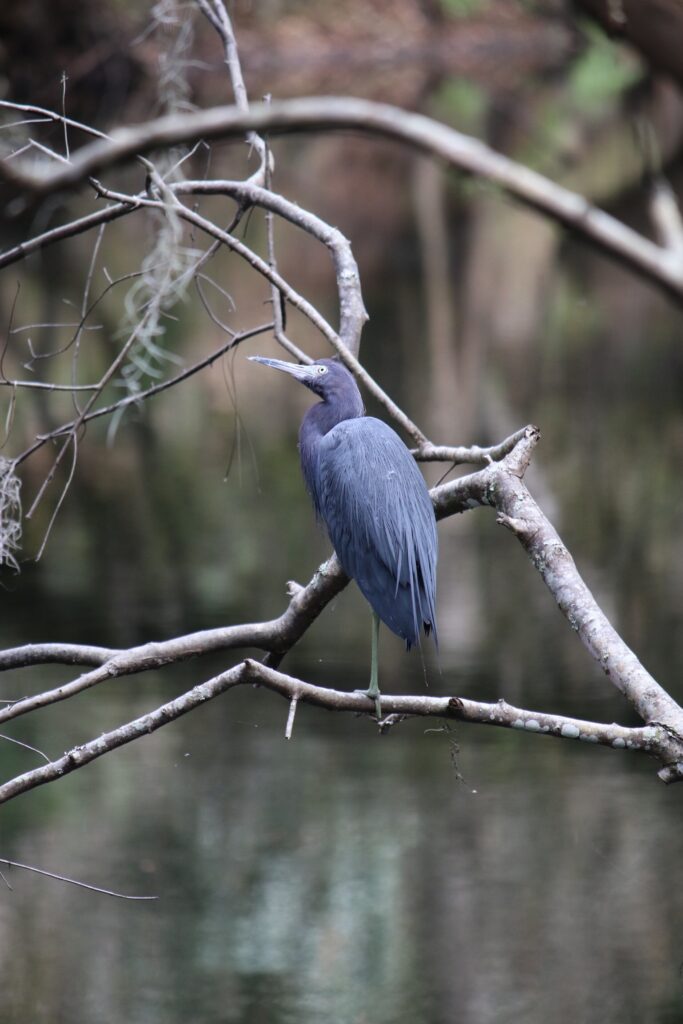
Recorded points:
(348, 878)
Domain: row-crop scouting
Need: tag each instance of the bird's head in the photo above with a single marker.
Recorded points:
(328, 378)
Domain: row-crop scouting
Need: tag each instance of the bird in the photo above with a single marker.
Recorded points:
(368, 491)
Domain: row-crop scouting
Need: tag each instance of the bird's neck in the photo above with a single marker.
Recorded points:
(317, 422)
(323, 416)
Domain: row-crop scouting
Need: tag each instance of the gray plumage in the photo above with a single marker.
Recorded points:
(369, 492)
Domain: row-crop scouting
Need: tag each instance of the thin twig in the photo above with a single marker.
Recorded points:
(156, 389)
(26, 746)
(290, 717)
(73, 881)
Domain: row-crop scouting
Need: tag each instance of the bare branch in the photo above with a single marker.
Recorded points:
(458, 455)
(156, 389)
(72, 881)
(216, 13)
(52, 115)
(501, 487)
(82, 755)
(277, 636)
(55, 654)
(653, 740)
(75, 227)
(320, 113)
(47, 385)
(647, 739)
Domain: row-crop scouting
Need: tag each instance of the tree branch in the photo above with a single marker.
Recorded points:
(459, 454)
(276, 636)
(499, 486)
(55, 654)
(215, 12)
(654, 740)
(652, 261)
(58, 234)
(141, 396)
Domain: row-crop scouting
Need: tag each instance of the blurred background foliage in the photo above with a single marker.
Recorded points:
(483, 317)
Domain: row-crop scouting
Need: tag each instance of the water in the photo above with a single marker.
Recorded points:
(344, 876)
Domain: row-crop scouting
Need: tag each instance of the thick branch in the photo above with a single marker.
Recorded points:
(501, 713)
(55, 654)
(501, 487)
(319, 113)
(460, 455)
(650, 739)
(276, 636)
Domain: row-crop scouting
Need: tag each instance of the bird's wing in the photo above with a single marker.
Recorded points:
(380, 519)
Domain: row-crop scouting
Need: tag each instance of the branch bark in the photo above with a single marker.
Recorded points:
(653, 740)
(657, 264)
(499, 486)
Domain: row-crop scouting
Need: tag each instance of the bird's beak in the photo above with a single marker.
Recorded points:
(301, 371)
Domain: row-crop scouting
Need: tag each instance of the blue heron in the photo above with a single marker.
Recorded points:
(369, 492)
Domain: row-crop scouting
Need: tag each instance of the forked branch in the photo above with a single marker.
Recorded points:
(499, 486)
(660, 264)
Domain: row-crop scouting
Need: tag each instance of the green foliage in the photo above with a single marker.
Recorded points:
(460, 103)
(464, 8)
(595, 86)
(602, 72)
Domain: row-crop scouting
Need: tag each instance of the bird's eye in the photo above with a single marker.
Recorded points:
(322, 369)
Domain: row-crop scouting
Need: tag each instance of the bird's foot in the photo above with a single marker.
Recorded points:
(374, 696)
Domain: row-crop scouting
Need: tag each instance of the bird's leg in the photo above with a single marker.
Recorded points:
(373, 690)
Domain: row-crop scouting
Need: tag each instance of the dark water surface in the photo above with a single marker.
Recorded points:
(344, 877)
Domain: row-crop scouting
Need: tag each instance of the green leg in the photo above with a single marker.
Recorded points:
(373, 690)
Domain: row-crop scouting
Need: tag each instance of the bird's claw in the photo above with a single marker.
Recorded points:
(375, 698)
